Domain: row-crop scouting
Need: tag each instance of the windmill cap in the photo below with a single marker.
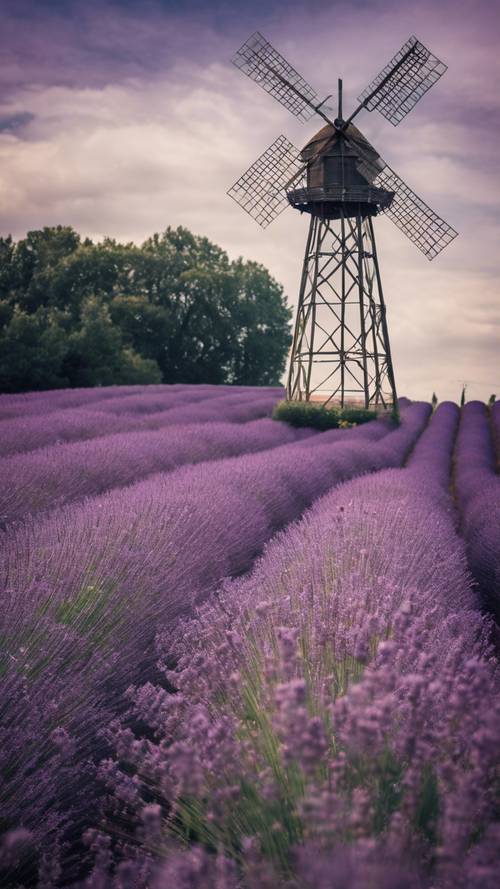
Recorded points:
(328, 138)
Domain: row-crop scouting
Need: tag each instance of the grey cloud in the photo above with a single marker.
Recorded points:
(11, 123)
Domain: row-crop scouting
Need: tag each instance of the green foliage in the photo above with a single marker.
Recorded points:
(96, 355)
(492, 399)
(262, 322)
(434, 401)
(462, 395)
(395, 414)
(145, 326)
(136, 370)
(32, 351)
(34, 265)
(317, 416)
(175, 309)
(357, 415)
(428, 805)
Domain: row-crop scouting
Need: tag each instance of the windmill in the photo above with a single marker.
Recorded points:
(340, 351)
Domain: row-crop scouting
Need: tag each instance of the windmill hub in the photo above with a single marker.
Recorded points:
(340, 349)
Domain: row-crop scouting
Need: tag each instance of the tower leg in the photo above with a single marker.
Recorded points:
(341, 352)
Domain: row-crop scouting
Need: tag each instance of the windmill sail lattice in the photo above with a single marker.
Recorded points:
(341, 349)
(261, 189)
(414, 217)
(261, 62)
(423, 226)
(403, 81)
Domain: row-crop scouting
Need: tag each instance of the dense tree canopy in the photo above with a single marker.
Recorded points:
(176, 309)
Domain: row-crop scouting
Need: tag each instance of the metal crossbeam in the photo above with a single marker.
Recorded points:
(261, 189)
(341, 344)
(403, 81)
(258, 59)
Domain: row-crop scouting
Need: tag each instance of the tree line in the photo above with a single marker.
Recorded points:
(173, 310)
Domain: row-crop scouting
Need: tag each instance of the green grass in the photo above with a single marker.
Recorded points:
(317, 416)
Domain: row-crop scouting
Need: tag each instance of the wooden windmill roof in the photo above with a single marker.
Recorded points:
(327, 138)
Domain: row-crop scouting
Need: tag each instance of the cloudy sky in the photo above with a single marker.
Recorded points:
(123, 118)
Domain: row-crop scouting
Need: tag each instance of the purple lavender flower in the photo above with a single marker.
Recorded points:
(335, 710)
(349, 681)
(477, 489)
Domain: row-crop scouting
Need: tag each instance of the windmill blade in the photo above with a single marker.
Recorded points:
(403, 81)
(408, 211)
(261, 189)
(264, 64)
(414, 217)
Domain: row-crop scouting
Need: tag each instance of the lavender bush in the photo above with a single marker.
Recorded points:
(495, 420)
(102, 576)
(28, 433)
(432, 454)
(51, 476)
(34, 403)
(73, 424)
(145, 403)
(329, 720)
(231, 408)
(337, 712)
(40, 402)
(478, 493)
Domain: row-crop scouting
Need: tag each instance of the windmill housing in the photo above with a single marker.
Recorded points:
(341, 351)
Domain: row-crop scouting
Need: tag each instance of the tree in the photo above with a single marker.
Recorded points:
(35, 261)
(32, 351)
(96, 354)
(262, 323)
(166, 257)
(202, 342)
(145, 326)
(105, 270)
(7, 276)
(175, 309)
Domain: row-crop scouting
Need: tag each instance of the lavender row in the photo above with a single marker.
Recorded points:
(36, 403)
(103, 576)
(124, 400)
(154, 402)
(149, 402)
(433, 452)
(27, 434)
(231, 407)
(495, 420)
(337, 714)
(33, 403)
(478, 493)
(268, 490)
(50, 477)
(268, 484)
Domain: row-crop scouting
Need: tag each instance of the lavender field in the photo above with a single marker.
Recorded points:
(239, 655)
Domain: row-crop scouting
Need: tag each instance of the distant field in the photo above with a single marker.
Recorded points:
(240, 655)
